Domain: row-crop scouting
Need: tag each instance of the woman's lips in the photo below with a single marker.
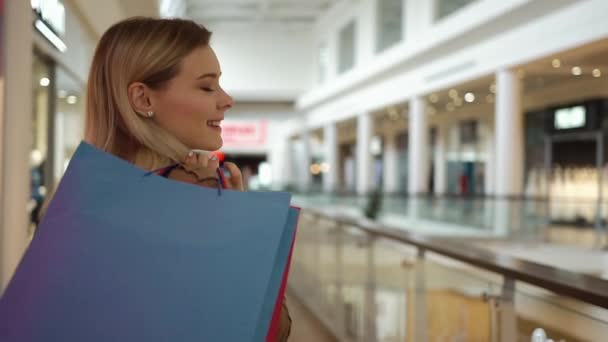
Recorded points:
(215, 124)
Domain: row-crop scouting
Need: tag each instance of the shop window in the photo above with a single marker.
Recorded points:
(57, 127)
(323, 63)
(468, 132)
(390, 23)
(447, 7)
(43, 83)
(346, 50)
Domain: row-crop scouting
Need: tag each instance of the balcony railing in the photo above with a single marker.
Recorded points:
(369, 282)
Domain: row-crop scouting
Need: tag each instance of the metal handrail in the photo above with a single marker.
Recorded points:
(582, 287)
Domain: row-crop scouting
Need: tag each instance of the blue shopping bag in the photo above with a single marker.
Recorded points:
(125, 255)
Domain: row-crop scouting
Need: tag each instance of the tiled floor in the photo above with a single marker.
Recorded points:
(306, 327)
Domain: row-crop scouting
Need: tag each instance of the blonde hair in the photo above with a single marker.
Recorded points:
(146, 50)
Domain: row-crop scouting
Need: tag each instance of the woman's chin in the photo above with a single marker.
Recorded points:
(211, 145)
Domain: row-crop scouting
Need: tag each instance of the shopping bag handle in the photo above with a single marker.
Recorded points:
(164, 172)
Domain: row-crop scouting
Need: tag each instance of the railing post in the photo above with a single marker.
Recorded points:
(599, 229)
(488, 212)
(316, 282)
(493, 317)
(339, 283)
(508, 317)
(420, 302)
(370, 292)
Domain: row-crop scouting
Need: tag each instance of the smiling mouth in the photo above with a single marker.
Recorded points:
(214, 124)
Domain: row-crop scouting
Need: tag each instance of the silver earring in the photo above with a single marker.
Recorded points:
(150, 114)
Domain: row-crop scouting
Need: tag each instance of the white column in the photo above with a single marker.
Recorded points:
(304, 174)
(15, 133)
(278, 157)
(440, 175)
(419, 147)
(291, 173)
(330, 141)
(364, 156)
(509, 135)
(173, 8)
(391, 163)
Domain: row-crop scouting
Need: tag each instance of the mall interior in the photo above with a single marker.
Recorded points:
(449, 156)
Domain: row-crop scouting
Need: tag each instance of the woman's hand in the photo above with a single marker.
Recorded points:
(201, 169)
(235, 181)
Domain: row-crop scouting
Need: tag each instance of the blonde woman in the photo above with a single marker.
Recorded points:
(154, 98)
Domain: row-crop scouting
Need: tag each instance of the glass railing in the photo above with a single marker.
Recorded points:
(367, 283)
(575, 222)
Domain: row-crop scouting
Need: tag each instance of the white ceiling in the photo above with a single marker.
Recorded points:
(288, 12)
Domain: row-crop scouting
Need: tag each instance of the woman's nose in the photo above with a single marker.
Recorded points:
(227, 101)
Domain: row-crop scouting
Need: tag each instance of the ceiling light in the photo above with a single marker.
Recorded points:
(596, 73)
(50, 35)
(577, 71)
(469, 97)
(36, 157)
(45, 82)
(556, 63)
(71, 99)
(434, 98)
(453, 93)
(493, 88)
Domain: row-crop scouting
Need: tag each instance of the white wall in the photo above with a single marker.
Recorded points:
(99, 17)
(15, 132)
(328, 27)
(556, 24)
(427, 37)
(264, 64)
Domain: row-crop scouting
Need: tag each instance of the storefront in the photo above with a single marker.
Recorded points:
(468, 143)
(566, 156)
(58, 74)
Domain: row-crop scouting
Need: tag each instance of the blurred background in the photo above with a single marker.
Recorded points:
(450, 155)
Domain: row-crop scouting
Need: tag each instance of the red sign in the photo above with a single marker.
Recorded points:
(244, 133)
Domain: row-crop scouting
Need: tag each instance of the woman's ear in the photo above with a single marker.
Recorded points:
(139, 97)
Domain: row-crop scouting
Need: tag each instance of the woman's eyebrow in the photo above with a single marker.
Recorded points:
(210, 74)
